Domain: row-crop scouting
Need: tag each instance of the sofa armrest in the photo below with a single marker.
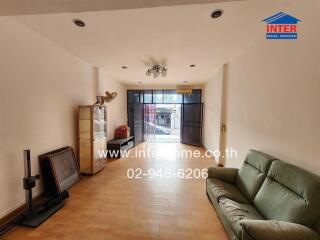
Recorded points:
(276, 230)
(224, 174)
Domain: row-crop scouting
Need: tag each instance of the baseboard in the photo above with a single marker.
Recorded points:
(16, 211)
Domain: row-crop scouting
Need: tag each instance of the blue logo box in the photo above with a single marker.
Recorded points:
(282, 35)
(282, 26)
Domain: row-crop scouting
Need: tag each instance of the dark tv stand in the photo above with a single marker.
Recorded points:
(116, 146)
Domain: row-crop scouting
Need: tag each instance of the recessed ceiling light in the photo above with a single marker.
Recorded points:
(192, 65)
(79, 22)
(124, 67)
(217, 13)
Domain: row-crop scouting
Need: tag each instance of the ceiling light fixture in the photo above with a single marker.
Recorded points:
(156, 70)
(79, 22)
(217, 13)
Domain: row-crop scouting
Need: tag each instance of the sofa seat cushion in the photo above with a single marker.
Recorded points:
(236, 212)
(220, 189)
(276, 230)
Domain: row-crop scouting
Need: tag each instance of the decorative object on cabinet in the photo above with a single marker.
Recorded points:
(92, 138)
(121, 132)
(60, 170)
(107, 98)
(117, 146)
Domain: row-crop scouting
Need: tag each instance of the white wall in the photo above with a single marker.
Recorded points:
(273, 95)
(41, 86)
(117, 109)
(212, 94)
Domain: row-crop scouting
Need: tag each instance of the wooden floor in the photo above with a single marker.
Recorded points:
(111, 206)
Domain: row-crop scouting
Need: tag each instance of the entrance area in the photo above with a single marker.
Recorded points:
(165, 116)
(162, 123)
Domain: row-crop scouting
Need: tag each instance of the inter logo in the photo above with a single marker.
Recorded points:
(282, 26)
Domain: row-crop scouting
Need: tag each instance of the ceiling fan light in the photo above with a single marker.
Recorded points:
(156, 71)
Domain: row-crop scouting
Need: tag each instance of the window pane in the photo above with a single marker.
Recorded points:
(134, 96)
(158, 96)
(148, 96)
(195, 97)
(163, 96)
(170, 96)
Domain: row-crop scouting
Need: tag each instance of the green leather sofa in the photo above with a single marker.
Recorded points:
(266, 199)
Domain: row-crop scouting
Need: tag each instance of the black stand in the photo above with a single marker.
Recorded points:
(34, 219)
(34, 216)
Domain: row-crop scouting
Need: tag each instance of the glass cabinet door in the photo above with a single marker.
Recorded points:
(99, 122)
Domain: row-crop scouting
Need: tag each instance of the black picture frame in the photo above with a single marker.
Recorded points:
(65, 169)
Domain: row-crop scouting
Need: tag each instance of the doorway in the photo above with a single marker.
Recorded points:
(165, 116)
(162, 123)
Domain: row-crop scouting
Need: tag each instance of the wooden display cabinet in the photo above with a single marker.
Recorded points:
(92, 138)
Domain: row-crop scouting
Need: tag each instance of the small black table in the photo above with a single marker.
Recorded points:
(116, 147)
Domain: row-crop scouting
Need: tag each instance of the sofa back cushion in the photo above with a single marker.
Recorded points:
(252, 173)
(289, 194)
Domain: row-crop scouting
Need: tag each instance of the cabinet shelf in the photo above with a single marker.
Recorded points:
(92, 138)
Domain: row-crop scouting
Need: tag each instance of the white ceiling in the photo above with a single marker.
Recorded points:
(28, 7)
(175, 36)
